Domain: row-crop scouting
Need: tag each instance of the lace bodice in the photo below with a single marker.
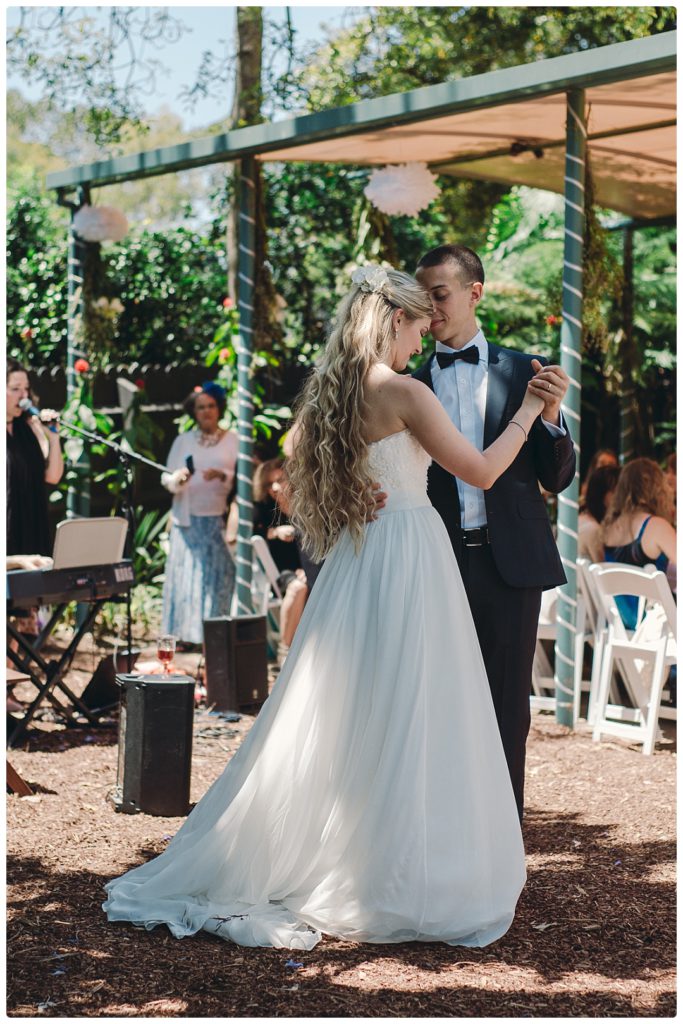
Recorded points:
(399, 463)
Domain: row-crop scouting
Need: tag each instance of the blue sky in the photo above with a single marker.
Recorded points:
(208, 25)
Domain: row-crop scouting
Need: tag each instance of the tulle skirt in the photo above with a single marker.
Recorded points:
(371, 799)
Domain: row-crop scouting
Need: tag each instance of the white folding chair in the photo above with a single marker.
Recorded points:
(265, 592)
(591, 628)
(643, 658)
(265, 588)
(542, 675)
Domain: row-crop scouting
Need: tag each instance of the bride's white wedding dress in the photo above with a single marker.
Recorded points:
(371, 799)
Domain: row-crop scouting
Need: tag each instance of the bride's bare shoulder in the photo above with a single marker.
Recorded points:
(383, 380)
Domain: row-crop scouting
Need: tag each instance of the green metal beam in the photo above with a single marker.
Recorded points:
(600, 66)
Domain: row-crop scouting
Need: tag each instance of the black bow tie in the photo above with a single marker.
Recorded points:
(470, 355)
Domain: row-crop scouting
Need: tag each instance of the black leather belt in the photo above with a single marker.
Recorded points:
(475, 538)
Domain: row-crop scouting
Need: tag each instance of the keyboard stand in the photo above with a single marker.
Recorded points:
(48, 676)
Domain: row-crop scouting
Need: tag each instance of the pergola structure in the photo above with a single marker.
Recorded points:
(532, 124)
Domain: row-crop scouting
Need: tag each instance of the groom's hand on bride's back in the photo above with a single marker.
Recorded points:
(380, 497)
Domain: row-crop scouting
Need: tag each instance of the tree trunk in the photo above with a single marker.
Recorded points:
(247, 111)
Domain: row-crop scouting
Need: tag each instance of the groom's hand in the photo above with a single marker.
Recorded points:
(380, 501)
(550, 383)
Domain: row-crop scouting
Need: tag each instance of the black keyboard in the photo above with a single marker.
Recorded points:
(28, 587)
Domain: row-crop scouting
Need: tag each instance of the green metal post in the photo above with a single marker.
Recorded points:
(570, 359)
(627, 398)
(245, 405)
(78, 494)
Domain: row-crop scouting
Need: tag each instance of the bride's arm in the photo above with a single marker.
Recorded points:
(428, 421)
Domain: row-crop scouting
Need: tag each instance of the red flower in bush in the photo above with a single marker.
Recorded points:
(224, 354)
(552, 320)
(81, 366)
(228, 303)
(140, 383)
(27, 333)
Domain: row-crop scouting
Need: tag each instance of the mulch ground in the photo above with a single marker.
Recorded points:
(594, 934)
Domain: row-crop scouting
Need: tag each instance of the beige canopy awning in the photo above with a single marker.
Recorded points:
(506, 126)
(631, 144)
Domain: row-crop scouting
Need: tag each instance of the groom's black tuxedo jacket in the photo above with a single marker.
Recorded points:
(521, 538)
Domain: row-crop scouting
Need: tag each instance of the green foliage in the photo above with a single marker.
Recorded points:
(171, 285)
(150, 544)
(36, 280)
(394, 49)
(224, 352)
(523, 257)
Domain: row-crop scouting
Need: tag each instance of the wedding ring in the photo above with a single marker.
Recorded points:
(549, 386)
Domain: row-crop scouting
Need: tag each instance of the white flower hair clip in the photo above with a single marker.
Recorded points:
(371, 278)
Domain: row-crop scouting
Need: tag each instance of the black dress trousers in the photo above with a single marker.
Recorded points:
(506, 620)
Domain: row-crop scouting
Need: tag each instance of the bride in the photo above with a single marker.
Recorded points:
(371, 799)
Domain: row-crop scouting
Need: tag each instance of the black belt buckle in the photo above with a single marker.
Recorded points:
(475, 538)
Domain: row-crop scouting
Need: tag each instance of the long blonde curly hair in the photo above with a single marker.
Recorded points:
(330, 483)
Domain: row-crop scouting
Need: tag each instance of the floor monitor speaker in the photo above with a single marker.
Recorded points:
(236, 655)
(155, 745)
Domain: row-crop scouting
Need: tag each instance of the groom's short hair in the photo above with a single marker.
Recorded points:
(468, 264)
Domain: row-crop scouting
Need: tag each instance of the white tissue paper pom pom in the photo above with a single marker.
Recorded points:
(100, 224)
(402, 188)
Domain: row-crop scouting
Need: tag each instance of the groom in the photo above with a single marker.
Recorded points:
(501, 537)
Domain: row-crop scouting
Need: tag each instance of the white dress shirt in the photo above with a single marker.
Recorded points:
(462, 389)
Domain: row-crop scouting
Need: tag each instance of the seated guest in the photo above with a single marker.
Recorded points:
(603, 457)
(599, 492)
(670, 475)
(271, 520)
(270, 517)
(637, 527)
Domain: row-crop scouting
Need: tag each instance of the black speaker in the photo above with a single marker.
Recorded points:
(155, 745)
(102, 693)
(236, 656)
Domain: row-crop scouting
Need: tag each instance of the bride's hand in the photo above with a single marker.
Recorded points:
(533, 402)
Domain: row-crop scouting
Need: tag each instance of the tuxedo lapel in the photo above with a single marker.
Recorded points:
(425, 373)
(498, 389)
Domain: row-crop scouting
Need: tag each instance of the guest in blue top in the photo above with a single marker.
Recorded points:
(637, 529)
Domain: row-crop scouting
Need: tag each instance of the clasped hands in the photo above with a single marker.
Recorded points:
(550, 383)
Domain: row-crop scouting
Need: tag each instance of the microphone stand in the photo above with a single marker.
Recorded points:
(126, 459)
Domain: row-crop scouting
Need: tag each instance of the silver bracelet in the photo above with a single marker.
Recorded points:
(526, 436)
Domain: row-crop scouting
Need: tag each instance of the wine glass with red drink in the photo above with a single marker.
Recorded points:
(165, 651)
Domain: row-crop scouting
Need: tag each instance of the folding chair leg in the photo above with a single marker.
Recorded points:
(579, 646)
(603, 690)
(15, 783)
(652, 720)
(596, 669)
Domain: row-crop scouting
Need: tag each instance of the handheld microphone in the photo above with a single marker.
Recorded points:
(48, 417)
(27, 405)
